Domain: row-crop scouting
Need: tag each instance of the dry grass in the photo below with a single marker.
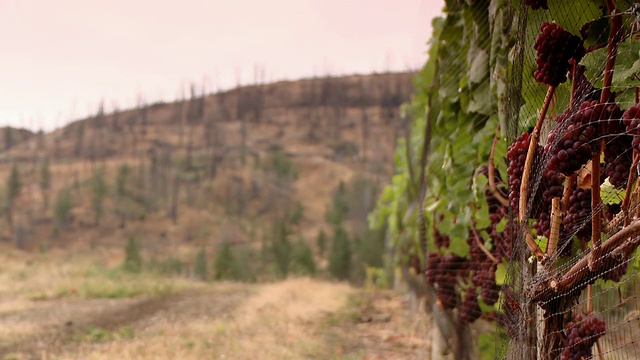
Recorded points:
(278, 322)
(47, 311)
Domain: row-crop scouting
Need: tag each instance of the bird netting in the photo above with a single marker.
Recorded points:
(523, 163)
(572, 286)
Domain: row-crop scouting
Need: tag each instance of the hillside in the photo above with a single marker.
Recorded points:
(207, 170)
(110, 225)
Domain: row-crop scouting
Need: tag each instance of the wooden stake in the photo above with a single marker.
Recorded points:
(615, 38)
(524, 187)
(627, 194)
(556, 219)
(533, 141)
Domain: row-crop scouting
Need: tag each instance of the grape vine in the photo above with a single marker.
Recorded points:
(472, 195)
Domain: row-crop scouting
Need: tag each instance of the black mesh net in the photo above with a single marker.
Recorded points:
(572, 90)
(553, 203)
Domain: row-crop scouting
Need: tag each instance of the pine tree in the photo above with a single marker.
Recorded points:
(45, 182)
(303, 258)
(201, 268)
(62, 209)
(121, 191)
(14, 186)
(321, 242)
(8, 138)
(133, 259)
(98, 193)
(336, 214)
(79, 139)
(226, 265)
(340, 255)
(281, 247)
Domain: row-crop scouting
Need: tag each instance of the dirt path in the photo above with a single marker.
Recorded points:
(59, 322)
(292, 319)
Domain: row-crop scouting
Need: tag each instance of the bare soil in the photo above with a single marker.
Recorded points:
(293, 319)
(61, 320)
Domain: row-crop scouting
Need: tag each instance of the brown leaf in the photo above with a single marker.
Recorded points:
(584, 176)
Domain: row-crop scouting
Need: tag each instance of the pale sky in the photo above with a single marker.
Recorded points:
(60, 58)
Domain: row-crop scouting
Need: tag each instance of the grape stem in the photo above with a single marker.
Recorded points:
(627, 194)
(634, 199)
(556, 219)
(615, 37)
(630, 200)
(574, 70)
(524, 187)
(568, 188)
(595, 47)
(596, 221)
(478, 240)
(492, 171)
(611, 225)
(599, 349)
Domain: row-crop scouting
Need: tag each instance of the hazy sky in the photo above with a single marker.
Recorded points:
(59, 58)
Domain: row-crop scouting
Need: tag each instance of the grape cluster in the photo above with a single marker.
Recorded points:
(441, 240)
(555, 48)
(433, 264)
(497, 212)
(631, 119)
(618, 161)
(476, 255)
(470, 310)
(414, 263)
(571, 143)
(576, 220)
(551, 187)
(537, 4)
(485, 278)
(484, 275)
(517, 155)
(617, 157)
(583, 88)
(582, 333)
(502, 242)
(451, 267)
(616, 271)
(611, 210)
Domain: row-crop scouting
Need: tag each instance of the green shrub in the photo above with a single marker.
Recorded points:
(321, 242)
(62, 209)
(339, 208)
(281, 165)
(170, 266)
(201, 267)
(281, 248)
(133, 259)
(303, 258)
(99, 191)
(340, 255)
(297, 214)
(226, 264)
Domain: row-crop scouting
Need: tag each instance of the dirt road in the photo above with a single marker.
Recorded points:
(293, 319)
(59, 323)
